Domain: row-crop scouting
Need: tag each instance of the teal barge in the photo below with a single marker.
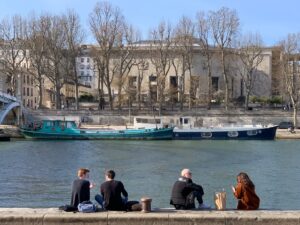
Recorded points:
(68, 130)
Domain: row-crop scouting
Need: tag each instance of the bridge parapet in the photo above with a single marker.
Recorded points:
(8, 103)
(6, 98)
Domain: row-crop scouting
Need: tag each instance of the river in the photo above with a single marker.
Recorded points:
(40, 173)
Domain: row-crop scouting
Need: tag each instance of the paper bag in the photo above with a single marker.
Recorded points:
(220, 200)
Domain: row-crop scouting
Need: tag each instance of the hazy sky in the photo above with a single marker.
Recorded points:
(273, 19)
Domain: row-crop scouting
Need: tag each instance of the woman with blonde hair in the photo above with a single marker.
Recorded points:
(245, 193)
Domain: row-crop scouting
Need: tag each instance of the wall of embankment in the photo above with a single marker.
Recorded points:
(51, 216)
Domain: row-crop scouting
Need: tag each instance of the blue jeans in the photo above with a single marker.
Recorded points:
(99, 198)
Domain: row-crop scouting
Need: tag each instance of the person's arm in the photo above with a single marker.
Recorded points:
(102, 189)
(123, 191)
(238, 191)
(195, 187)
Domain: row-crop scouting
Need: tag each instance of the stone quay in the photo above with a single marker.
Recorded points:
(53, 216)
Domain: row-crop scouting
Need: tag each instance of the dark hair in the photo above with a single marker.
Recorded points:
(244, 178)
(110, 174)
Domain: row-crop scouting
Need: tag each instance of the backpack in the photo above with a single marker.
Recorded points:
(87, 207)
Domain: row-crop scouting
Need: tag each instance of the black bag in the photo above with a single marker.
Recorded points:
(68, 208)
(133, 206)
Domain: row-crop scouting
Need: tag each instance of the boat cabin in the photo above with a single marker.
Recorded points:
(59, 124)
(147, 122)
(185, 122)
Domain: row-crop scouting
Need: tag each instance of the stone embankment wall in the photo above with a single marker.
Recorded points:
(201, 117)
(162, 217)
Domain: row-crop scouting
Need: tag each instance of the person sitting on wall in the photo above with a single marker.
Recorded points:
(81, 188)
(245, 193)
(185, 191)
(111, 191)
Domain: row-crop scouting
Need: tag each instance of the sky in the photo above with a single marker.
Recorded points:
(272, 19)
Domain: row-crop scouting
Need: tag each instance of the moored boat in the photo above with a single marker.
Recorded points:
(186, 130)
(3, 136)
(63, 129)
(235, 132)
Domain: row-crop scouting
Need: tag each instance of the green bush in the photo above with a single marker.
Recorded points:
(86, 98)
(276, 100)
(265, 100)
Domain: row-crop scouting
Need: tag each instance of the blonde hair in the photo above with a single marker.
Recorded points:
(82, 171)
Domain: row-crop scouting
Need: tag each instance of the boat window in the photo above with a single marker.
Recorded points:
(49, 124)
(251, 132)
(69, 124)
(186, 120)
(206, 134)
(233, 133)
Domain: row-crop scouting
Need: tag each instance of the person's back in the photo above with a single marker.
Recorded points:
(184, 192)
(111, 191)
(80, 188)
(245, 193)
(80, 191)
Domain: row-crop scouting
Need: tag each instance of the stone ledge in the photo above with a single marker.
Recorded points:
(52, 216)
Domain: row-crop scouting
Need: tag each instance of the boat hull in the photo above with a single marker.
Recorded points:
(143, 134)
(261, 133)
(4, 138)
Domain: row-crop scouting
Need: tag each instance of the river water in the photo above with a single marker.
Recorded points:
(40, 173)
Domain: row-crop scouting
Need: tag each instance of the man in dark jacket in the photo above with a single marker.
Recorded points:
(81, 188)
(185, 191)
(111, 190)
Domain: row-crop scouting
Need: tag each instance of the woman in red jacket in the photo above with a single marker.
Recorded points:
(245, 193)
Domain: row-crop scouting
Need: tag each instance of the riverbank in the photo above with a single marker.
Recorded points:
(52, 216)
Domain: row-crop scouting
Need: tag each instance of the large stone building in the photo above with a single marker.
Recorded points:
(142, 81)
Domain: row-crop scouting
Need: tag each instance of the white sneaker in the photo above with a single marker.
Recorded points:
(203, 206)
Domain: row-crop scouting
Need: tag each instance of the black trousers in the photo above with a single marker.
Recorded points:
(190, 201)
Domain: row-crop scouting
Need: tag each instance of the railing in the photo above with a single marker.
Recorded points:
(7, 98)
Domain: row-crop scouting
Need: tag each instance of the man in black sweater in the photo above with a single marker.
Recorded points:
(111, 190)
(185, 191)
(81, 188)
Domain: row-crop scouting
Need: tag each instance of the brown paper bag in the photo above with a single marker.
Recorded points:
(220, 200)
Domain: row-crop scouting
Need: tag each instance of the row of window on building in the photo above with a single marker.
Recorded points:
(27, 80)
(30, 103)
(27, 91)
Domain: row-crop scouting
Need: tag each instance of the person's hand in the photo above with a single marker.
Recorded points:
(233, 189)
(92, 185)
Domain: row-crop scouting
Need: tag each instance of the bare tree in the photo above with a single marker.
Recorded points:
(291, 71)
(204, 34)
(106, 24)
(250, 54)
(36, 44)
(224, 24)
(74, 37)
(13, 49)
(124, 58)
(161, 57)
(142, 65)
(184, 42)
(56, 55)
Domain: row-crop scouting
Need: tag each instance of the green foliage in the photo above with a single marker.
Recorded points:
(265, 100)
(86, 98)
(276, 100)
